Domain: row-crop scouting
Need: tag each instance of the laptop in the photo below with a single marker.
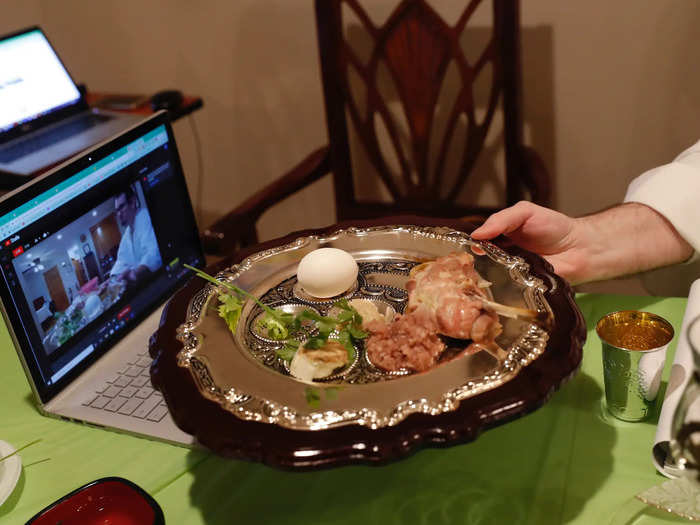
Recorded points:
(89, 254)
(44, 117)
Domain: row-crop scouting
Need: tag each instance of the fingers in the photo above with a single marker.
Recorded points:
(505, 221)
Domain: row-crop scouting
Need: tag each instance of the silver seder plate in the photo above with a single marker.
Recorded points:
(243, 374)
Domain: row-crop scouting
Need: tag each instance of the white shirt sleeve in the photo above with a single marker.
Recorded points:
(673, 190)
(124, 257)
(145, 243)
(138, 246)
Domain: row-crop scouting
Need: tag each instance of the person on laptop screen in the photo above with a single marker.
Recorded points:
(138, 256)
(71, 243)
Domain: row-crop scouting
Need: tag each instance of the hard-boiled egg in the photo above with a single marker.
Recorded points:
(326, 272)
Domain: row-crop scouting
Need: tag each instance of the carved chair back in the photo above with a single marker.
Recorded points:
(405, 112)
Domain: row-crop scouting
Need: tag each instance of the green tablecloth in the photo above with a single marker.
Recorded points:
(568, 462)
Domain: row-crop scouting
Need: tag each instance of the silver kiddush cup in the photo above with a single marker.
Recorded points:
(634, 353)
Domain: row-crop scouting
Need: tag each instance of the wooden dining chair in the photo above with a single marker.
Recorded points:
(391, 101)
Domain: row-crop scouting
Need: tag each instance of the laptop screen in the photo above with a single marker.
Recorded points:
(93, 248)
(33, 81)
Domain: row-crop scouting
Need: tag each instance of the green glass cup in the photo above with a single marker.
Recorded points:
(634, 353)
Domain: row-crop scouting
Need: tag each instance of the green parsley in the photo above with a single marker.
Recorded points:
(274, 328)
(288, 350)
(232, 301)
(313, 397)
(279, 324)
(230, 310)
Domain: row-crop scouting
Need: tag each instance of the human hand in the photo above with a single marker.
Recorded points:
(604, 245)
(128, 276)
(548, 233)
(135, 275)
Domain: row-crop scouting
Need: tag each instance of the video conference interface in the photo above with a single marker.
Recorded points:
(82, 273)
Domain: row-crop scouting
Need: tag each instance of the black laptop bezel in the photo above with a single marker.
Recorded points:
(53, 116)
(61, 173)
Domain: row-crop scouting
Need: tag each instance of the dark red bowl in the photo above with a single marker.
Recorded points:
(112, 500)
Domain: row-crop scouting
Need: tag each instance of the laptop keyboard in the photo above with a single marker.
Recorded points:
(129, 392)
(41, 140)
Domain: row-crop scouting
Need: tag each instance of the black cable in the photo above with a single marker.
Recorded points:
(199, 186)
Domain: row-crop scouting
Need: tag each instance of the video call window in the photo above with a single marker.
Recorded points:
(81, 271)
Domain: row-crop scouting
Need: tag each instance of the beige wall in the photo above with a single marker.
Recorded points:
(610, 88)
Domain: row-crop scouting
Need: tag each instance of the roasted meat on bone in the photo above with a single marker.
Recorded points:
(451, 292)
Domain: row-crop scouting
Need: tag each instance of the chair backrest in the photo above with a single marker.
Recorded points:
(393, 98)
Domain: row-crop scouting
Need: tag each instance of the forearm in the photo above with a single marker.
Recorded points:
(627, 239)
